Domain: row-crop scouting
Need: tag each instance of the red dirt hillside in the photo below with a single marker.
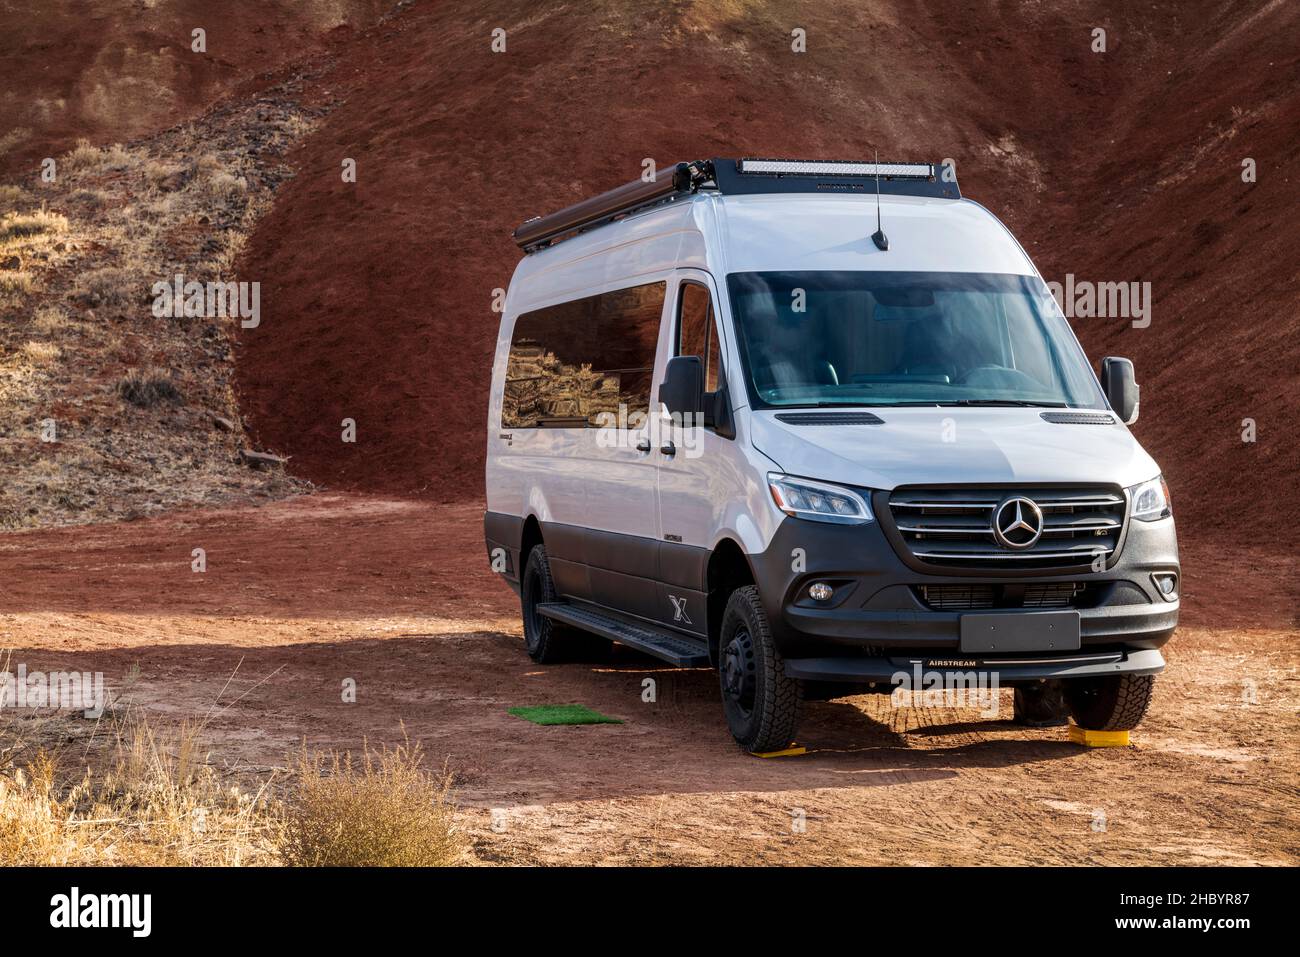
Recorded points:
(1116, 166)
(109, 70)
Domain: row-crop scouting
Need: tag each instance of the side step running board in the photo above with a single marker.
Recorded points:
(677, 649)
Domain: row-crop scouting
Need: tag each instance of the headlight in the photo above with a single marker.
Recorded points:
(1151, 500)
(818, 501)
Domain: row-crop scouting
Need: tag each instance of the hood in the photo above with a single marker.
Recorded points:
(949, 445)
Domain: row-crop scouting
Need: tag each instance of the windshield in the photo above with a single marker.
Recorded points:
(906, 338)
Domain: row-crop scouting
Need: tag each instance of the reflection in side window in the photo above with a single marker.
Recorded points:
(574, 363)
(697, 333)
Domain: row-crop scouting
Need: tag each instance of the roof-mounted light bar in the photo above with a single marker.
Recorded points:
(779, 167)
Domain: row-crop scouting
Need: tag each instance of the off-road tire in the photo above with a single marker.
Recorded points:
(762, 705)
(1041, 705)
(547, 641)
(1109, 703)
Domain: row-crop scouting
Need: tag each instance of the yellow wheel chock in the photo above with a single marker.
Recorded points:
(1098, 739)
(787, 753)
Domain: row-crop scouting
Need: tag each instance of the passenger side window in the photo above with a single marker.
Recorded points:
(697, 331)
(584, 363)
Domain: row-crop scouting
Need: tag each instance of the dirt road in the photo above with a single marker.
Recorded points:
(300, 595)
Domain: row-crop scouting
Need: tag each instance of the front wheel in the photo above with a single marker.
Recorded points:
(1110, 703)
(762, 705)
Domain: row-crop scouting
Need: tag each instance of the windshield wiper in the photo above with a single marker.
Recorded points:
(1008, 402)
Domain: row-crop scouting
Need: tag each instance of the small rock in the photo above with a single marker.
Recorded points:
(221, 422)
(260, 459)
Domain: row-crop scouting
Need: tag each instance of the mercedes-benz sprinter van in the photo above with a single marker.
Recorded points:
(822, 427)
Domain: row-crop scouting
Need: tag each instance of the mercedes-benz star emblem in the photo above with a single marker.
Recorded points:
(1017, 523)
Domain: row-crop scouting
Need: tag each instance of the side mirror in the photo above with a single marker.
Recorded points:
(682, 390)
(1120, 387)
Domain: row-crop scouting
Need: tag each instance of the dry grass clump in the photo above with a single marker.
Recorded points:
(40, 353)
(224, 186)
(108, 286)
(85, 157)
(160, 804)
(386, 810)
(145, 388)
(19, 282)
(11, 195)
(161, 801)
(15, 226)
(50, 321)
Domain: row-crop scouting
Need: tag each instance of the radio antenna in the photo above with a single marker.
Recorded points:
(879, 237)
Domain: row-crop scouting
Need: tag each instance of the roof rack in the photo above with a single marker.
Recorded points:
(728, 176)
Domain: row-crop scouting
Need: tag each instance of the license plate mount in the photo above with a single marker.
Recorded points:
(998, 633)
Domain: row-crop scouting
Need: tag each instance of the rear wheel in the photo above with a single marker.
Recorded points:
(762, 705)
(547, 641)
(1110, 703)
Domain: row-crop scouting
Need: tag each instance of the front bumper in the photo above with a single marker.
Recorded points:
(878, 620)
(1009, 670)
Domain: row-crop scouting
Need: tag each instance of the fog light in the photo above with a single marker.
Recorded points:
(820, 591)
(1167, 584)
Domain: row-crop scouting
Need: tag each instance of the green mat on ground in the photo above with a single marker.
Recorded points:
(563, 714)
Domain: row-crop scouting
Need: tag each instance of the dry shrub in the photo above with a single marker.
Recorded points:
(93, 198)
(16, 226)
(160, 801)
(86, 158)
(385, 811)
(160, 805)
(40, 353)
(146, 388)
(224, 186)
(11, 195)
(49, 321)
(159, 173)
(107, 286)
(207, 163)
(20, 282)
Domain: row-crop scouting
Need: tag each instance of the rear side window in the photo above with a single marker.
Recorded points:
(697, 333)
(575, 363)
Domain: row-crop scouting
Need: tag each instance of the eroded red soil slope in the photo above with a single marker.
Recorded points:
(112, 70)
(1117, 166)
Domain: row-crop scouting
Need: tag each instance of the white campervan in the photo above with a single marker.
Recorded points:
(821, 426)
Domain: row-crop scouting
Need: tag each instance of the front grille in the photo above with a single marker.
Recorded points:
(961, 597)
(958, 597)
(1055, 595)
(954, 527)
